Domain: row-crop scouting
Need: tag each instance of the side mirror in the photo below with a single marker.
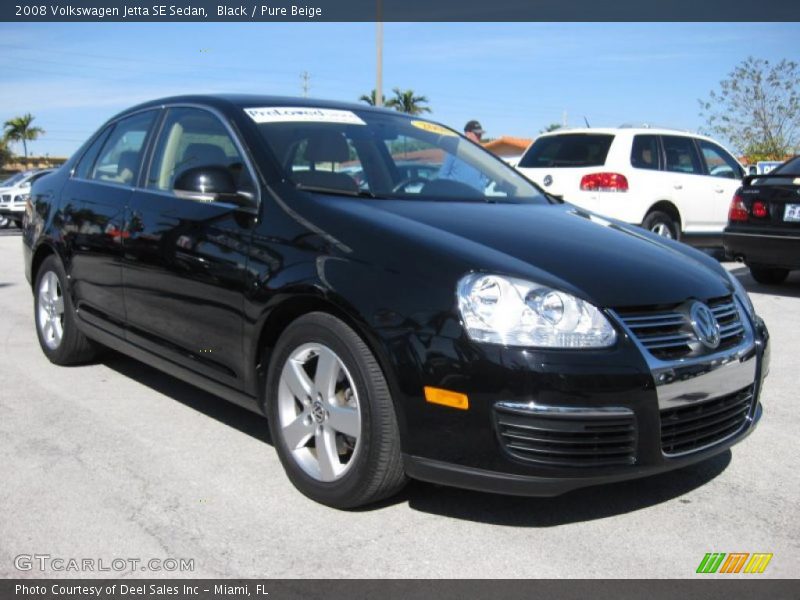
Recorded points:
(211, 184)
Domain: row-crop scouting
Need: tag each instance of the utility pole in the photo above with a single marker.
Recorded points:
(379, 44)
(304, 76)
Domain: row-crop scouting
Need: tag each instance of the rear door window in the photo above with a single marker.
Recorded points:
(645, 153)
(121, 155)
(84, 166)
(681, 155)
(568, 150)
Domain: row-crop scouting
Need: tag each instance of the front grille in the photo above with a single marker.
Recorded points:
(6, 197)
(667, 333)
(567, 439)
(689, 428)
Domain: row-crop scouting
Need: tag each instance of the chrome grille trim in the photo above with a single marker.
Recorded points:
(667, 334)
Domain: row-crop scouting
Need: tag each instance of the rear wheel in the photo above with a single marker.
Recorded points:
(331, 415)
(769, 275)
(661, 224)
(59, 337)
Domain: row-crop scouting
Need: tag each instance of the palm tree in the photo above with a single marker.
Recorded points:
(407, 102)
(371, 99)
(19, 129)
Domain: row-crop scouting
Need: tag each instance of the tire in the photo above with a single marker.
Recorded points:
(769, 275)
(661, 224)
(54, 314)
(364, 464)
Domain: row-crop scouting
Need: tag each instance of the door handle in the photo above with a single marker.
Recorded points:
(678, 186)
(719, 190)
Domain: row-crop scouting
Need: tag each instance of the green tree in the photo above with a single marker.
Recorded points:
(757, 108)
(19, 129)
(405, 101)
(371, 99)
(551, 127)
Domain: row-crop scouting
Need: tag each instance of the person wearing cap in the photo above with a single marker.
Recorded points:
(455, 169)
(474, 131)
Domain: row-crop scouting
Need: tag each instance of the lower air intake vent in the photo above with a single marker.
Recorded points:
(567, 439)
(696, 426)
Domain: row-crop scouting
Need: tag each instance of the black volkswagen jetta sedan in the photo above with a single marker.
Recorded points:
(466, 329)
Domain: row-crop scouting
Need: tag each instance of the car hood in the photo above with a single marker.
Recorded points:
(606, 262)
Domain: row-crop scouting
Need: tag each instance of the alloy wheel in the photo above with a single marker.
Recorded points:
(662, 229)
(51, 310)
(319, 413)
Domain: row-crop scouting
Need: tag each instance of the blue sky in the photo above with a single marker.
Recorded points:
(516, 78)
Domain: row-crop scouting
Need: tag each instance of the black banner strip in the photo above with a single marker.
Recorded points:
(732, 588)
(398, 10)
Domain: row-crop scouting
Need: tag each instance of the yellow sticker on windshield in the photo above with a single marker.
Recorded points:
(433, 128)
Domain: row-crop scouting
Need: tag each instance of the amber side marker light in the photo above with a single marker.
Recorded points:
(446, 398)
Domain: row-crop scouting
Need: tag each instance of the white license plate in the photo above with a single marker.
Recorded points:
(792, 212)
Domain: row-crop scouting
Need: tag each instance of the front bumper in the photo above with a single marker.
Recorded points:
(461, 449)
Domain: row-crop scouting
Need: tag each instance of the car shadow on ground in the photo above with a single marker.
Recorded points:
(580, 505)
(789, 288)
(195, 398)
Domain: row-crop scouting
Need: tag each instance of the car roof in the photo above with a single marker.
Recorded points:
(625, 130)
(239, 101)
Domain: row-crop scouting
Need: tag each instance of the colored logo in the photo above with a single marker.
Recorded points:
(705, 325)
(734, 562)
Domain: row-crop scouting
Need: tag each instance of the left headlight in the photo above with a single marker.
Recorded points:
(505, 310)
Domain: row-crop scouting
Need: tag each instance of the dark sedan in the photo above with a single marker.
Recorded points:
(468, 330)
(764, 223)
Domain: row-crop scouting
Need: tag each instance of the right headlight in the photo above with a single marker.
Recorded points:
(504, 310)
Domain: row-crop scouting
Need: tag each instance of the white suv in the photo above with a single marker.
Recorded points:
(675, 184)
(13, 194)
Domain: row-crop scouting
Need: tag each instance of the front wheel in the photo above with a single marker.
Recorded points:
(769, 275)
(59, 337)
(661, 224)
(331, 415)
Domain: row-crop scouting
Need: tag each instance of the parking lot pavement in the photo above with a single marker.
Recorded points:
(117, 460)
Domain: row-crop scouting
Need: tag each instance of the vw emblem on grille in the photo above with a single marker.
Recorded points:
(548, 179)
(705, 325)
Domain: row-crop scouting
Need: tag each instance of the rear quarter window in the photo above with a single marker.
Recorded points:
(568, 150)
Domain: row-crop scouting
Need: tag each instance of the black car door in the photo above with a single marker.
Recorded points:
(186, 255)
(93, 210)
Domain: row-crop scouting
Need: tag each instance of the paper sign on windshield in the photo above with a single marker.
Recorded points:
(432, 127)
(284, 114)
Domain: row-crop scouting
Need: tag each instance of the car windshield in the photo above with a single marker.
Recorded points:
(377, 154)
(13, 180)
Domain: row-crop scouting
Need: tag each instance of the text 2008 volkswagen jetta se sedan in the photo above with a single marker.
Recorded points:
(463, 328)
